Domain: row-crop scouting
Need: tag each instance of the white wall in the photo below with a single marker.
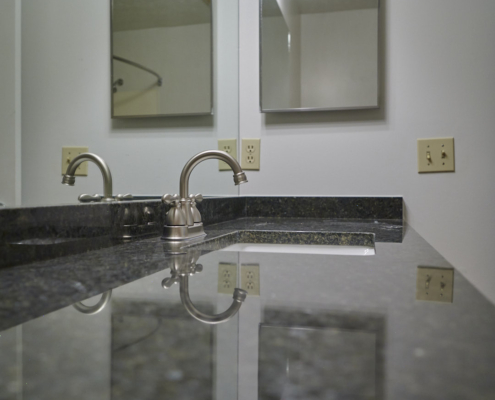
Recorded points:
(10, 108)
(439, 80)
(66, 102)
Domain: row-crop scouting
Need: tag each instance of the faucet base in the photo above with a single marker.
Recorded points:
(181, 233)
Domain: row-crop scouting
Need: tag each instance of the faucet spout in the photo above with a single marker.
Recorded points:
(239, 176)
(239, 297)
(69, 178)
(184, 219)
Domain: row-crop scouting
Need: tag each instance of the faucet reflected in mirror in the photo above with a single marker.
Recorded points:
(185, 265)
(69, 178)
(183, 220)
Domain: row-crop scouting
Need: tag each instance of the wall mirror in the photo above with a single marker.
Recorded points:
(161, 58)
(61, 50)
(318, 55)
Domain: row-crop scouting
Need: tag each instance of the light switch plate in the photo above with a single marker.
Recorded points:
(250, 154)
(230, 147)
(68, 153)
(436, 155)
(227, 278)
(435, 284)
(250, 279)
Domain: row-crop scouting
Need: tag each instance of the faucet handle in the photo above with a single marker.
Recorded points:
(167, 283)
(169, 199)
(198, 198)
(124, 197)
(87, 198)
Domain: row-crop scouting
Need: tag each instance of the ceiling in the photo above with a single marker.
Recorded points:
(145, 14)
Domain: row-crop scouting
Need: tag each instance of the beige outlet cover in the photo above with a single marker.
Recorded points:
(250, 154)
(436, 162)
(435, 284)
(250, 279)
(227, 278)
(230, 147)
(68, 153)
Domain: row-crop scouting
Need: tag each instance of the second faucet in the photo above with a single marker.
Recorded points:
(183, 220)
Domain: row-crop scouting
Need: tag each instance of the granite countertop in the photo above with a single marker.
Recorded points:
(323, 326)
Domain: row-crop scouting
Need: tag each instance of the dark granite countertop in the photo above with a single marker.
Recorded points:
(323, 326)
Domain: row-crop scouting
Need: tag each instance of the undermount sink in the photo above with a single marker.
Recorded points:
(302, 249)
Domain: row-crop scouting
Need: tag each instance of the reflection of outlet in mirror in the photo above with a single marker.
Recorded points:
(230, 147)
(250, 154)
(250, 279)
(68, 153)
(435, 284)
(227, 278)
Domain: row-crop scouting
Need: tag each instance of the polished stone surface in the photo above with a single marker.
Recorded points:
(384, 230)
(323, 327)
(29, 234)
(68, 279)
(326, 207)
(42, 233)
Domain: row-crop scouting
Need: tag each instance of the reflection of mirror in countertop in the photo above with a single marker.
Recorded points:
(320, 356)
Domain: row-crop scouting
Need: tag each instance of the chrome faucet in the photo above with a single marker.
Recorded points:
(69, 178)
(183, 220)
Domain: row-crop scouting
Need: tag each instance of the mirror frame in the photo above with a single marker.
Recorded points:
(311, 109)
(212, 76)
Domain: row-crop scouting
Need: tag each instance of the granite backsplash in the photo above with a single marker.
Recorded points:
(40, 233)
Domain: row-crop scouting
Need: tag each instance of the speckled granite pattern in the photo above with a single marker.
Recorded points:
(221, 209)
(326, 207)
(81, 228)
(384, 231)
(316, 238)
(87, 227)
(282, 237)
(80, 276)
(350, 326)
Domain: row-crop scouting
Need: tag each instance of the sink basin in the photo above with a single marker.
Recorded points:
(302, 249)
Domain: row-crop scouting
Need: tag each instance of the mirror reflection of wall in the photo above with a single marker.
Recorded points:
(162, 55)
(319, 54)
(65, 63)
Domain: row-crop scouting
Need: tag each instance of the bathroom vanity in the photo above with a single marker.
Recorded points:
(398, 324)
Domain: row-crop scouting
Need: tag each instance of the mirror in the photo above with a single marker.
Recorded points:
(318, 55)
(65, 86)
(161, 58)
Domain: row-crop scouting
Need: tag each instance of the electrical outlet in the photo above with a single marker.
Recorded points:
(68, 153)
(250, 279)
(227, 278)
(436, 155)
(435, 284)
(250, 154)
(230, 147)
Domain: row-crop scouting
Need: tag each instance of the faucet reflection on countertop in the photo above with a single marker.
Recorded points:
(185, 265)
